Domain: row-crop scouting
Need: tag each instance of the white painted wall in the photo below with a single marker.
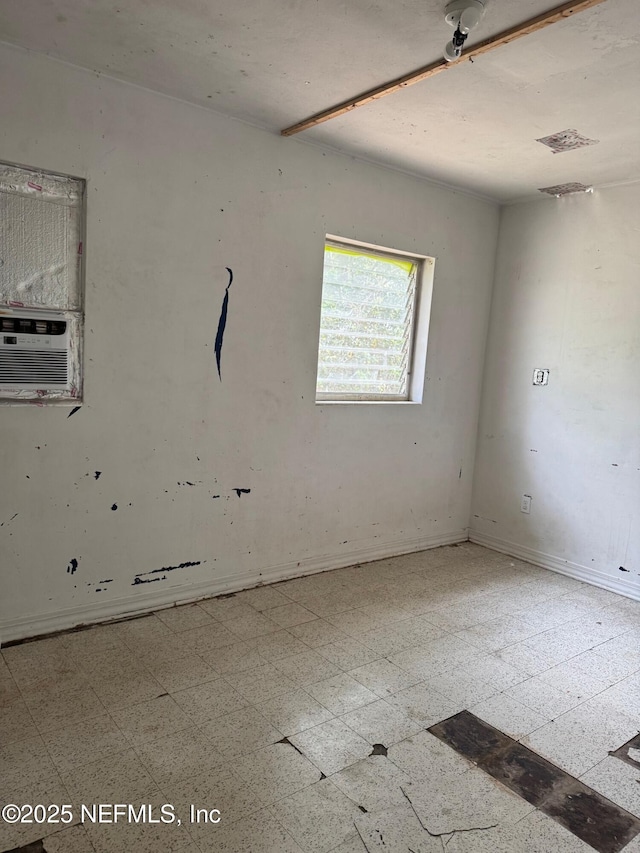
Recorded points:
(567, 297)
(175, 195)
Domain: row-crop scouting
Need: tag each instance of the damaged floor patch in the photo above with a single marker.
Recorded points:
(584, 812)
(396, 830)
(462, 802)
(629, 752)
(36, 847)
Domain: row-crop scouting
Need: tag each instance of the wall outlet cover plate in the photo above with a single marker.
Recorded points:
(540, 376)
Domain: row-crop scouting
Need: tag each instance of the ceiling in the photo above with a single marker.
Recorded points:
(275, 62)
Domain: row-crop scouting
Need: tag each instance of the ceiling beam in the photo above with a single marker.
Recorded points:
(559, 13)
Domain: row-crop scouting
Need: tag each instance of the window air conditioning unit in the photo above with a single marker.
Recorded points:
(35, 354)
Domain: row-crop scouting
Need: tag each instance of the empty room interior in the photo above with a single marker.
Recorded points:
(320, 426)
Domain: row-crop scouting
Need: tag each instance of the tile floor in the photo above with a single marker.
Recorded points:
(266, 706)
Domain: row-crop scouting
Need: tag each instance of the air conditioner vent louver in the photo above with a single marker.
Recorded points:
(36, 358)
(33, 367)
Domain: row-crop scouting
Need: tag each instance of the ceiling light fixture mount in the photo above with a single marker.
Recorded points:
(463, 15)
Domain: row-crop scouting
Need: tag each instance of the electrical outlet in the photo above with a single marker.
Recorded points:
(525, 503)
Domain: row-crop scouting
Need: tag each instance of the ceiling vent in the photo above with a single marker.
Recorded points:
(566, 140)
(566, 189)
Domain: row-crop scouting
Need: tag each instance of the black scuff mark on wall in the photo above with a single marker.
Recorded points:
(138, 580)
(114, 507)
(108, 580)
(97, 475)
(73, 411)
(622, 569)
(222, 322)
(73, 565)
(139, 577)
(214, 497)
(240, 492)
(15, 515)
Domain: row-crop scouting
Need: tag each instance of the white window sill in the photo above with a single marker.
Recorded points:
(368, 402)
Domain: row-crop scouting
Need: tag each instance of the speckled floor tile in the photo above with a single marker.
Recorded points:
(341, 694)
(319, 817)
(257, 833)
(331, 746)
(294, 712)
(151, 720)
(277, 771)
(381, 722)
(210, 700)
(240, 732)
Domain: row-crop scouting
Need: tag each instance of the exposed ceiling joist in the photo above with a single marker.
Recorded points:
(559, 13)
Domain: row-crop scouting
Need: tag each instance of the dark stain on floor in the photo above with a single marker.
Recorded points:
(470, 736)
(584, 812)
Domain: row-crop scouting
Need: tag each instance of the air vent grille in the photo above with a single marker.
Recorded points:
(565, 189)
(33, 367)
(566, 140)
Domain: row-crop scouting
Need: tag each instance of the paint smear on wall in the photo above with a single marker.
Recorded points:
(222, 322)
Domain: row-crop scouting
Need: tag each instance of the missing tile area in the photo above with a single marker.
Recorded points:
(588, 815)
(566, 140)
(629, 752)
(35, 847)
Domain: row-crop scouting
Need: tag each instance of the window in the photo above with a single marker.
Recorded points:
(372, 335)
(41, 235)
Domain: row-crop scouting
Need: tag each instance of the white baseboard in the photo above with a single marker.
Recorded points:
(145, 601)
(628, 588)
